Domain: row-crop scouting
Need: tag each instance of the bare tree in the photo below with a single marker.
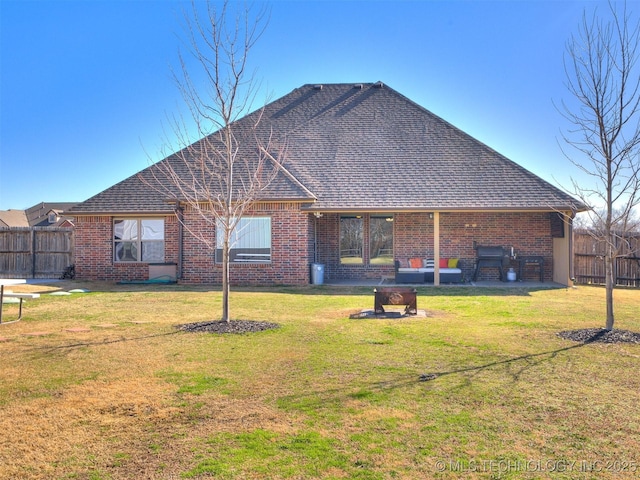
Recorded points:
(220, 174)
(603, 76)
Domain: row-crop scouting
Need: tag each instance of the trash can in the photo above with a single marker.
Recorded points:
(317, 273)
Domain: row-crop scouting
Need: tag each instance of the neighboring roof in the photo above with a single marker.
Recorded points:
(367, 147)
(13, 218)
(38, 215)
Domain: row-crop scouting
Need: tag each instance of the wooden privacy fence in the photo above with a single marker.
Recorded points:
(35, 252)
(588, 265)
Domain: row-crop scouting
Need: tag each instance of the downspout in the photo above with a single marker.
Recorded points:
(436, 249)
(315, 239)
(179, 211)
(572, 276)
(316, 219)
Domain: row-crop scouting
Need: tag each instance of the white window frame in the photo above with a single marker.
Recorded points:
(136, 238)
(250, 241)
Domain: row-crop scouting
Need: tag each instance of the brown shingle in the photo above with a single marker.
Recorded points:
(370, 148)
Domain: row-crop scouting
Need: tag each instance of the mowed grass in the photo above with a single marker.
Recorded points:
(480, 388)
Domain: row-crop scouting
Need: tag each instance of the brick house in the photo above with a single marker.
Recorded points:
(370, 176)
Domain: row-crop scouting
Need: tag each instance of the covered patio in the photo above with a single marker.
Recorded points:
(384, 241)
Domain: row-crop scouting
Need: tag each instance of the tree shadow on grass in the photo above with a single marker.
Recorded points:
(521, 363)
(219, 327)
(528, 361)
(98, 343)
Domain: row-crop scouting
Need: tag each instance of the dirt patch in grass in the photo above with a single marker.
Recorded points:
(59, 432)
(122, 429)
(600, 335)
(234, 326)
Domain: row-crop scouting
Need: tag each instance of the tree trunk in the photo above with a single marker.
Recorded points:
(609, 284)
(225, 280)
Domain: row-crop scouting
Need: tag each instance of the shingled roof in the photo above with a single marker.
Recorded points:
(366, 147)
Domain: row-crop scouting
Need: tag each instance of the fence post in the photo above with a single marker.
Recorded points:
(33, 253)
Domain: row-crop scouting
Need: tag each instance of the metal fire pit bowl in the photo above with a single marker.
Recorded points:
(396, 296)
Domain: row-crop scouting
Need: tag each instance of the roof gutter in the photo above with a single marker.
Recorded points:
(563, 208)
(123, 213)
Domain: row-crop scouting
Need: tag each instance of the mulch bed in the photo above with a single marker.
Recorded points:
(600, 335)
(234, 326)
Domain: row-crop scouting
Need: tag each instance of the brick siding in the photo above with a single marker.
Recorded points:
(293, 245)
(291, 250)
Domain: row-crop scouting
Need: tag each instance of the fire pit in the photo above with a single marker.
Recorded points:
(396, 296)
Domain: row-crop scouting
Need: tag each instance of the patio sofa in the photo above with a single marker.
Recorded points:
(417, 270)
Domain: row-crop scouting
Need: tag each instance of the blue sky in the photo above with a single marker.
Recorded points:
(86, 85)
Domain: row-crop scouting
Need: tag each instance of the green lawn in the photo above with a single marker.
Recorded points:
(481, 388)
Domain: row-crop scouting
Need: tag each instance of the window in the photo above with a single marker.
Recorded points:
(372, 231)
(381, 240)
(250, 241)
(138, 240)
(351, 239)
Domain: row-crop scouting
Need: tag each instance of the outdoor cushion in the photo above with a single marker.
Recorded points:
(444, 263)
(453, 263)
(426, 273)
(415, 263)
(447, 275)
